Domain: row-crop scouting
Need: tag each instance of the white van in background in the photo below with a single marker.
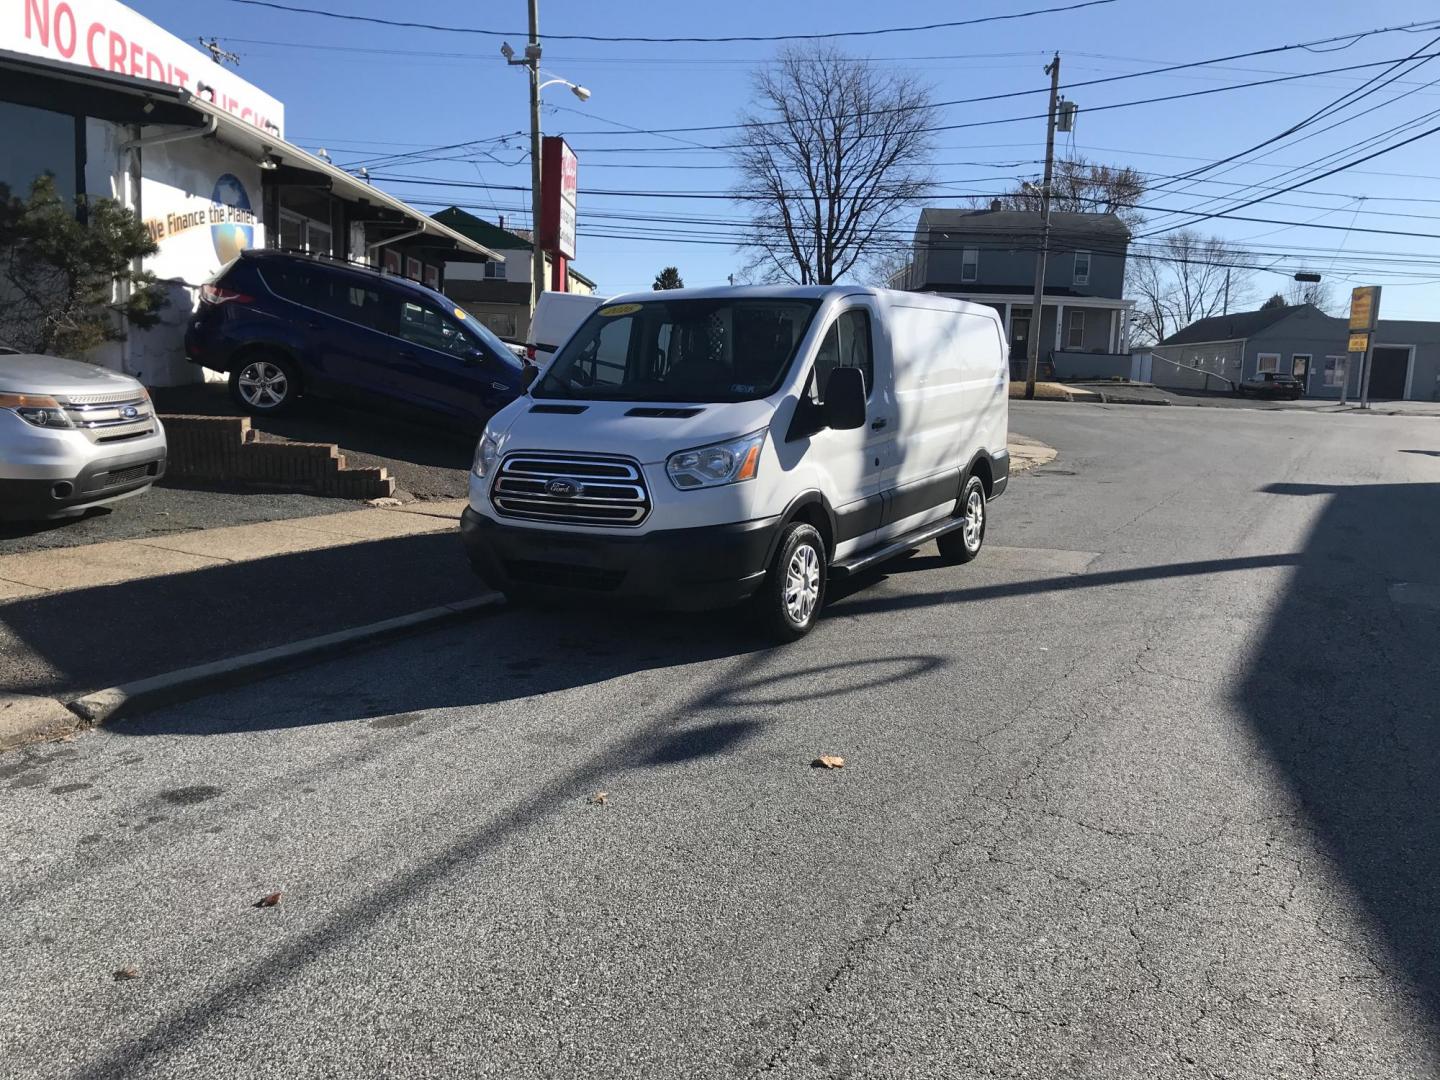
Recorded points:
(702, 447)
(557, 316)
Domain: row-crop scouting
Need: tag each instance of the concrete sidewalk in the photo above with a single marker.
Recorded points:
(91, 565)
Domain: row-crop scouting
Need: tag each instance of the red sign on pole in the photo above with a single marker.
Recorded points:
(558, 170)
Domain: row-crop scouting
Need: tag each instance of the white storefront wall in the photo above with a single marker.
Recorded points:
(200, 199)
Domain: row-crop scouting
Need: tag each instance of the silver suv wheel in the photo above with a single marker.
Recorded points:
(263, 385)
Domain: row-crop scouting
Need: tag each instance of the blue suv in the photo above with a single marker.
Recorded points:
(286, 325)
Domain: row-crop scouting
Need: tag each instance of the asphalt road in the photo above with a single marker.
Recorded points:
(1151, 789)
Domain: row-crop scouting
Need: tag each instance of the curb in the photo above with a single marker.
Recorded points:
(1119, 399)
(127, 699)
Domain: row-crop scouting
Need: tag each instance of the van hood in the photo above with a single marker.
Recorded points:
(613, 427)
(29, 373)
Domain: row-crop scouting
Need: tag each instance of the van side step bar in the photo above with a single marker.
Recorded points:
(860, 563)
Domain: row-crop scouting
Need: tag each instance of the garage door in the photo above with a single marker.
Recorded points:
(1388, 369)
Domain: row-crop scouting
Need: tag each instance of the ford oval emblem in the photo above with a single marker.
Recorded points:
(562, 488)
(129, 412)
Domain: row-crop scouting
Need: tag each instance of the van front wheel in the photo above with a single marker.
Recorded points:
(794, 591)
(964, 543)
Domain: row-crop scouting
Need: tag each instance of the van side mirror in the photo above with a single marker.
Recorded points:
(844, 406)
(528, 375)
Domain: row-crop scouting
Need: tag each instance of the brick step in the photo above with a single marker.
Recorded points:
(227, 450)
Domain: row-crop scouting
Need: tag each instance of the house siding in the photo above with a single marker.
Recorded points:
(1007, 262)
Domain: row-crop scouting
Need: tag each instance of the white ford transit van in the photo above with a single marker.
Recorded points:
(701, 447)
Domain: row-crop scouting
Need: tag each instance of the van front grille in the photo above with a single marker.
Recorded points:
(571, 489)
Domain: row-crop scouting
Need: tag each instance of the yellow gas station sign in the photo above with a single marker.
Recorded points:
(1362, 309)
(1359, 343)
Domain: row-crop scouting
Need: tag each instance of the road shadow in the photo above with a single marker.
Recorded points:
(61, 643)
(677, 737)
(18, 530)
(1343, 692)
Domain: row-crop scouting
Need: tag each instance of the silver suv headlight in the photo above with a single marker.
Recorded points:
(36, 410)
(720, 463)
(486, 451)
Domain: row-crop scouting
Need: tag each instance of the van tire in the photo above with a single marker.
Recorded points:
(793, 593)
(264, 384)
(965, 543)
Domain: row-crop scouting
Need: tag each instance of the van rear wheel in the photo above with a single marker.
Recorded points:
(964, 543)
(790, 600)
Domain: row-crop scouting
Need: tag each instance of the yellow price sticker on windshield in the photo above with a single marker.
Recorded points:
(620, 309)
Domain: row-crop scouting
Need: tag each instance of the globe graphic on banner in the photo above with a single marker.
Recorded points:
(232, 237)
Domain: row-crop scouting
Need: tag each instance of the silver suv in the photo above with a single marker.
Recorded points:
(72, 436)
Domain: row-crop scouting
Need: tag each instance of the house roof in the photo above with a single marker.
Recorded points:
(481, 231)
(1242, 324)
(1019, 221)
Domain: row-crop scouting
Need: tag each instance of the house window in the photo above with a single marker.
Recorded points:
(969, 264)
(1082, 268)
(1334, 371)
(1300, 365)
(494, 271)
(1267, 361)
(39, 142)
(299, 233)
(1075, 329)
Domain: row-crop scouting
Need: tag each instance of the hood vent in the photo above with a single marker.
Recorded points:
(665, 414)
(568, 410)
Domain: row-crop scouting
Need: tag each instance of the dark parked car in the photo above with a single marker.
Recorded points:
(286, 325)
(1271, 384)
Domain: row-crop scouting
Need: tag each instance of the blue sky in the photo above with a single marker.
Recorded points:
(362, 91)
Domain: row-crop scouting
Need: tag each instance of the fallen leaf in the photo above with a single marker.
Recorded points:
(828, 761)
(600, 798)
(268, 901)
(125, 974)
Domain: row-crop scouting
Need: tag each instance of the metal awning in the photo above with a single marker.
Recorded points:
(250, 140)
(62, 87)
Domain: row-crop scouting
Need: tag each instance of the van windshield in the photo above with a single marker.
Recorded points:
(680, 350)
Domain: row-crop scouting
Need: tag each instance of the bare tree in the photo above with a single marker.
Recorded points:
(1083, 187)
(1183, 277)
(1318, 293)
(835, 151)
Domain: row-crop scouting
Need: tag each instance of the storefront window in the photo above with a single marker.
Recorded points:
(37, 141)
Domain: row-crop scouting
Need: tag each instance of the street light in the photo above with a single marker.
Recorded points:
(531, 60)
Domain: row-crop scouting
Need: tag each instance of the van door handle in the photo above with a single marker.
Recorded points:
(878, 424)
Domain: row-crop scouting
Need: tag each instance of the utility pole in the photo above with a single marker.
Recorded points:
(532, 57)
(1037, 311)
(1226, 309)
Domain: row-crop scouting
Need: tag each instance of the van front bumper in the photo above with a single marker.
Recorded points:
(680, 569)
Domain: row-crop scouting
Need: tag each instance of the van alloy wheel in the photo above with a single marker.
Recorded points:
(790, 598)
(263, 385)
(802, 584)
(964, 542)
(974, 529)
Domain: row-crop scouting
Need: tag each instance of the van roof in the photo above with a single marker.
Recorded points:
(804, 292)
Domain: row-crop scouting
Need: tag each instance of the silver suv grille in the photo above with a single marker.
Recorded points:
(577, 489)
(107, 418)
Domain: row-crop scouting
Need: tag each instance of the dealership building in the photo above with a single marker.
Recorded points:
(111, 105)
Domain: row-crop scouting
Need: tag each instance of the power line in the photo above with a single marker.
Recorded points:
(407, 25)
(1330, 172)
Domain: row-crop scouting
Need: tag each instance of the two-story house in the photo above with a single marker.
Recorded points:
(498, 293)
(988, 256)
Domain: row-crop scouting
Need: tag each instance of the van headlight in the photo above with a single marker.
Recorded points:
(720, 463)
(36, 410)
(486, 452)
